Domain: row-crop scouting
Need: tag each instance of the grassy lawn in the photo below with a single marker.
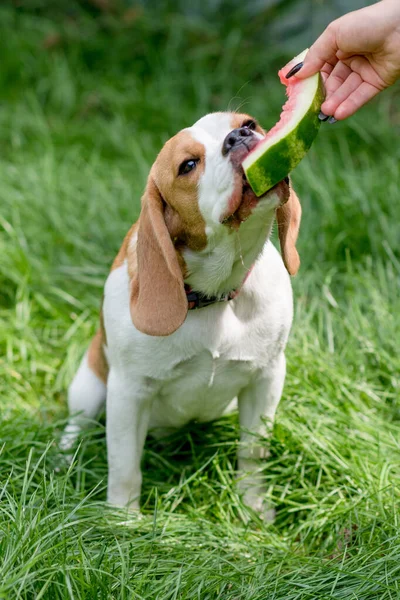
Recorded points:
(84, 109)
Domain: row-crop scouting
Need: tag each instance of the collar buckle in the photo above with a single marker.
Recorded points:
(197, 300)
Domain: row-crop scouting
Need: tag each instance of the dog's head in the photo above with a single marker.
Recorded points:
(201, 223)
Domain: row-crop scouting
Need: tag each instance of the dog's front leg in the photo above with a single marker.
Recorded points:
(128, 414)
(257, 406)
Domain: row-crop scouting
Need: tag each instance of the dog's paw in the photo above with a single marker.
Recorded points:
(68, 440)
(256, 501)
(130, 513)
(63, 461)
(119, 499)
(67, 450)
(268, 514)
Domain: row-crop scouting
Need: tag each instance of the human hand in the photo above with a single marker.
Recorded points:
(358, 56)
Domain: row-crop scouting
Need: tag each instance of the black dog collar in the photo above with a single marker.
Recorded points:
(199, 300)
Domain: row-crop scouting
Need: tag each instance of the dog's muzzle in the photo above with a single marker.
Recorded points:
(241, 139)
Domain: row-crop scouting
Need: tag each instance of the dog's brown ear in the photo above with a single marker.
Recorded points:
(158, 301)
(288, 217)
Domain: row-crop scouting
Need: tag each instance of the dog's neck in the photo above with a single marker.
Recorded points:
(223, 266)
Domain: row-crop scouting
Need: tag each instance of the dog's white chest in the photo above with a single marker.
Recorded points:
(199, 389)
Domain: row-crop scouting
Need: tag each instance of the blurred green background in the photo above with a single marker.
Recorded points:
(89, 92)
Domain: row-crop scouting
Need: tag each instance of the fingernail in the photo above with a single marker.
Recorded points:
(294, 70)
(332, 120)
(323, 117)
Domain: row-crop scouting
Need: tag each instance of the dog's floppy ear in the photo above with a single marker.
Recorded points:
(288, 217)
(158, 301)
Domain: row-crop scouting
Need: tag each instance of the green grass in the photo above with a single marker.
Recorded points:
(80, 124)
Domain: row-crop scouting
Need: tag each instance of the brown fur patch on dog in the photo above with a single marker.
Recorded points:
(96, 357)
(179, 193)
(128, 251)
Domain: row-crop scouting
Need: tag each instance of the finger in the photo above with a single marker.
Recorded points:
(363, 66)
(341, 93)
(363, 94)
(342, 55)
(327, 69)
(338, 76)
(321, 52)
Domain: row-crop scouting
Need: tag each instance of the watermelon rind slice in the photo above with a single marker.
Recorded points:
(286, 144)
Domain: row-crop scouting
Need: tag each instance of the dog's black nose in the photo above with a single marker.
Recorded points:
(235, 138)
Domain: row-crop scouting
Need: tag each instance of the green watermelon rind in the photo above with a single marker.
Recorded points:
(281, 158)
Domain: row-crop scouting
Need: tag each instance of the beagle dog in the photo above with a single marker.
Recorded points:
(197, 308)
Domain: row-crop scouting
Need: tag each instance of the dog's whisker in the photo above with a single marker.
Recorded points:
(240, 250)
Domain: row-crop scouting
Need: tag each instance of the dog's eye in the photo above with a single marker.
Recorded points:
(250, 124)
(188, 165)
